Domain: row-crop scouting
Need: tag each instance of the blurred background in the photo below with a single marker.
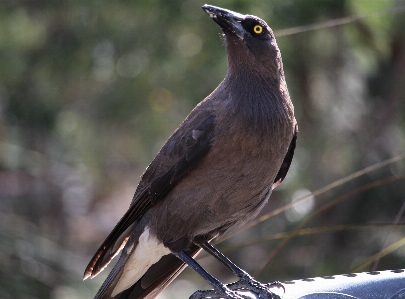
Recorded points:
(90, 90)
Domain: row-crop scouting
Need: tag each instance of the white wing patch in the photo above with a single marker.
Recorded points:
(148, 252)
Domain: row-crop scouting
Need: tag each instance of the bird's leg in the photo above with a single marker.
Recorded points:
(245, 280)
(220, 290)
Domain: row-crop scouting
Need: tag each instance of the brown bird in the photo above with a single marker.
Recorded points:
(216, 171)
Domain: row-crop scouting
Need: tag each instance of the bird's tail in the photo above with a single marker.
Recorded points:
(156, 278)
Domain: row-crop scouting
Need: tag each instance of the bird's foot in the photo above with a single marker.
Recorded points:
(246, 284)
(223, 292)
(262, 290)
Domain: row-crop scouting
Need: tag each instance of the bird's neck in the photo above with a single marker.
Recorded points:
(262, 103)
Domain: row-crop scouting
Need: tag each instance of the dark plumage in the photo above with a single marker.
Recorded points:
(216, 171)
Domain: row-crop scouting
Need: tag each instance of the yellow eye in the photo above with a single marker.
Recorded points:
(258, 29)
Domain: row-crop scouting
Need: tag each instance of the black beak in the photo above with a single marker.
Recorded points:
(226, 19)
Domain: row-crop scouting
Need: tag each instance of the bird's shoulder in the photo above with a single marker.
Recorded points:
(184, 148)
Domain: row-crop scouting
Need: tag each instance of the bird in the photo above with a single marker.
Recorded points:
(215, 172)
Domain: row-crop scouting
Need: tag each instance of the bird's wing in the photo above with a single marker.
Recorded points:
(181, 153)
(287, 160)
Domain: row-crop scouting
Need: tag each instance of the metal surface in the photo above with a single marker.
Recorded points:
(367, 285)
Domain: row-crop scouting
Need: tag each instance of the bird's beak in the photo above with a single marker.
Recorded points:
(226, 19)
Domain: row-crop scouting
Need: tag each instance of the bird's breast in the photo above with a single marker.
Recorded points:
(231, 183)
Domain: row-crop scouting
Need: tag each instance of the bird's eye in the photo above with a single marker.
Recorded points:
(257, 29)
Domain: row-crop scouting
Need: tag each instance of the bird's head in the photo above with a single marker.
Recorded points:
(249, 40)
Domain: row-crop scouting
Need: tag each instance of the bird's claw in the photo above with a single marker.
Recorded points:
(262, 290)
(231, 291)
(216, 294)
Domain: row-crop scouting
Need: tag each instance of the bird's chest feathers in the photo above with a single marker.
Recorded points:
(255, 127)
(254, 134)
(242, 152)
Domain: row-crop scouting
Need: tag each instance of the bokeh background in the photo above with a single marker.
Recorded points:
(90, 90)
